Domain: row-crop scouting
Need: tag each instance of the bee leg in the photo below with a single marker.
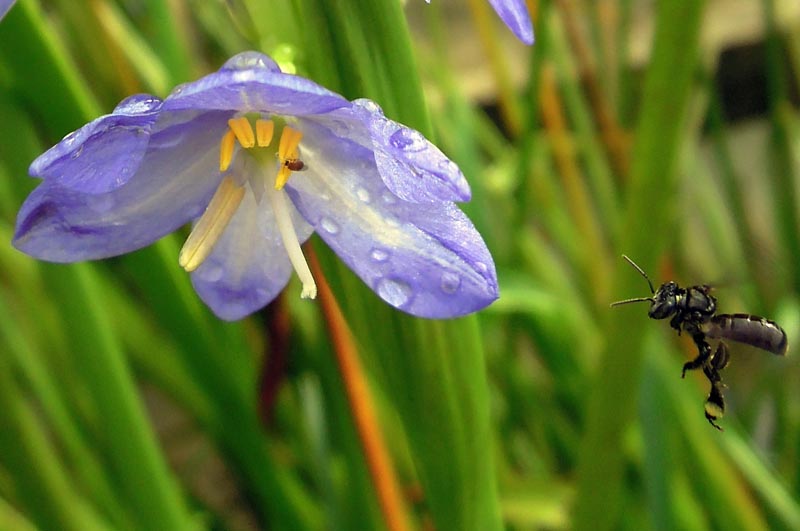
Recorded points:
(715, 403)
(676, 322)
(721, 357)
(703, 355)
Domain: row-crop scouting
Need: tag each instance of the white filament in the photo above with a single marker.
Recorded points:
(283, 217)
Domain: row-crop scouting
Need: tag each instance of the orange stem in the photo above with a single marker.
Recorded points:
(361, 404)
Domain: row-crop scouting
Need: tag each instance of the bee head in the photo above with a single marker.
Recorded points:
(664, 302)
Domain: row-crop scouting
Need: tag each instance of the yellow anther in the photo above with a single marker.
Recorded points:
(264, 131)
(290, 139)
(283, 177)
(243, 130)
(211, 225)
(287, 154)
(226, 151)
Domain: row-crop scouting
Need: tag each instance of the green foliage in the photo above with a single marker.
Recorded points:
(547, 410)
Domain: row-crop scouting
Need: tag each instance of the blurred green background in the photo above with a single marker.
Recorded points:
(666, 131)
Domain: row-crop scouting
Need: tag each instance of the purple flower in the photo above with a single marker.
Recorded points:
(514, 14)
(259, 160)
(5, 5)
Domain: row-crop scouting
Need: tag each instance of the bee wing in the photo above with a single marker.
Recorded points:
(748, 329)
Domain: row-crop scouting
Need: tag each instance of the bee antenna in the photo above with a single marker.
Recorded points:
(641, 272)
(628, 301)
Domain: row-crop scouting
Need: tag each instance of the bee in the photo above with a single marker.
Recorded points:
(694, 310)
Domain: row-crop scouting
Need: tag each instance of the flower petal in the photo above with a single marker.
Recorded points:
(103, 154)
(413, 168)
(5, 5)
(515, 15)
(246, 84)
(249, 265)
(172, 186)
(424, 258)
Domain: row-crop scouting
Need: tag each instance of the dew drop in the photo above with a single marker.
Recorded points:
(389, 198)
(77, 153)
(211, 272)
(408, 140)
(448, 166)
(395, 292)
(325, 196)
(69, 139)
(369, 106)
(481, 267)
(137, 104)
(101, 203)
(392, 222)
(329, 226)
(379, 255)
(339, 127)
(450, 282)
(363, 194)
(248, 60)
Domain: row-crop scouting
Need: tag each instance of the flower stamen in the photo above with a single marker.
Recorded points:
(264, 132)
(211, 225)
(283, 219)
(226, 151)
(288, 155)
(243, 130)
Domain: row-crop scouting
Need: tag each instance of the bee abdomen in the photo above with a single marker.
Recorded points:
(749, 329)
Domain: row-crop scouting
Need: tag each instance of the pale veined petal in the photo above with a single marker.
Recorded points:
(424, 258)
(249, 265)
(172, 186)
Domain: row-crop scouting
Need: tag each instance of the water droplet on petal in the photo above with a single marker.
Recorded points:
(329, 226)
(368, 105)
(325, 196)
(379, 255)
(363, 194)
(210, 272)
(407, 139)
(340, 128)
(137, 104)
(481, 267)
(395, 292)
(69, 139)
(248, 60)
(77, 153)
(450, 282)
(167, 141)
(100, 203)
(392, 222)
(448, 166)
(389, 198)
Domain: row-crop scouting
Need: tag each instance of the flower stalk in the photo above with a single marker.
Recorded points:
(361, 406)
